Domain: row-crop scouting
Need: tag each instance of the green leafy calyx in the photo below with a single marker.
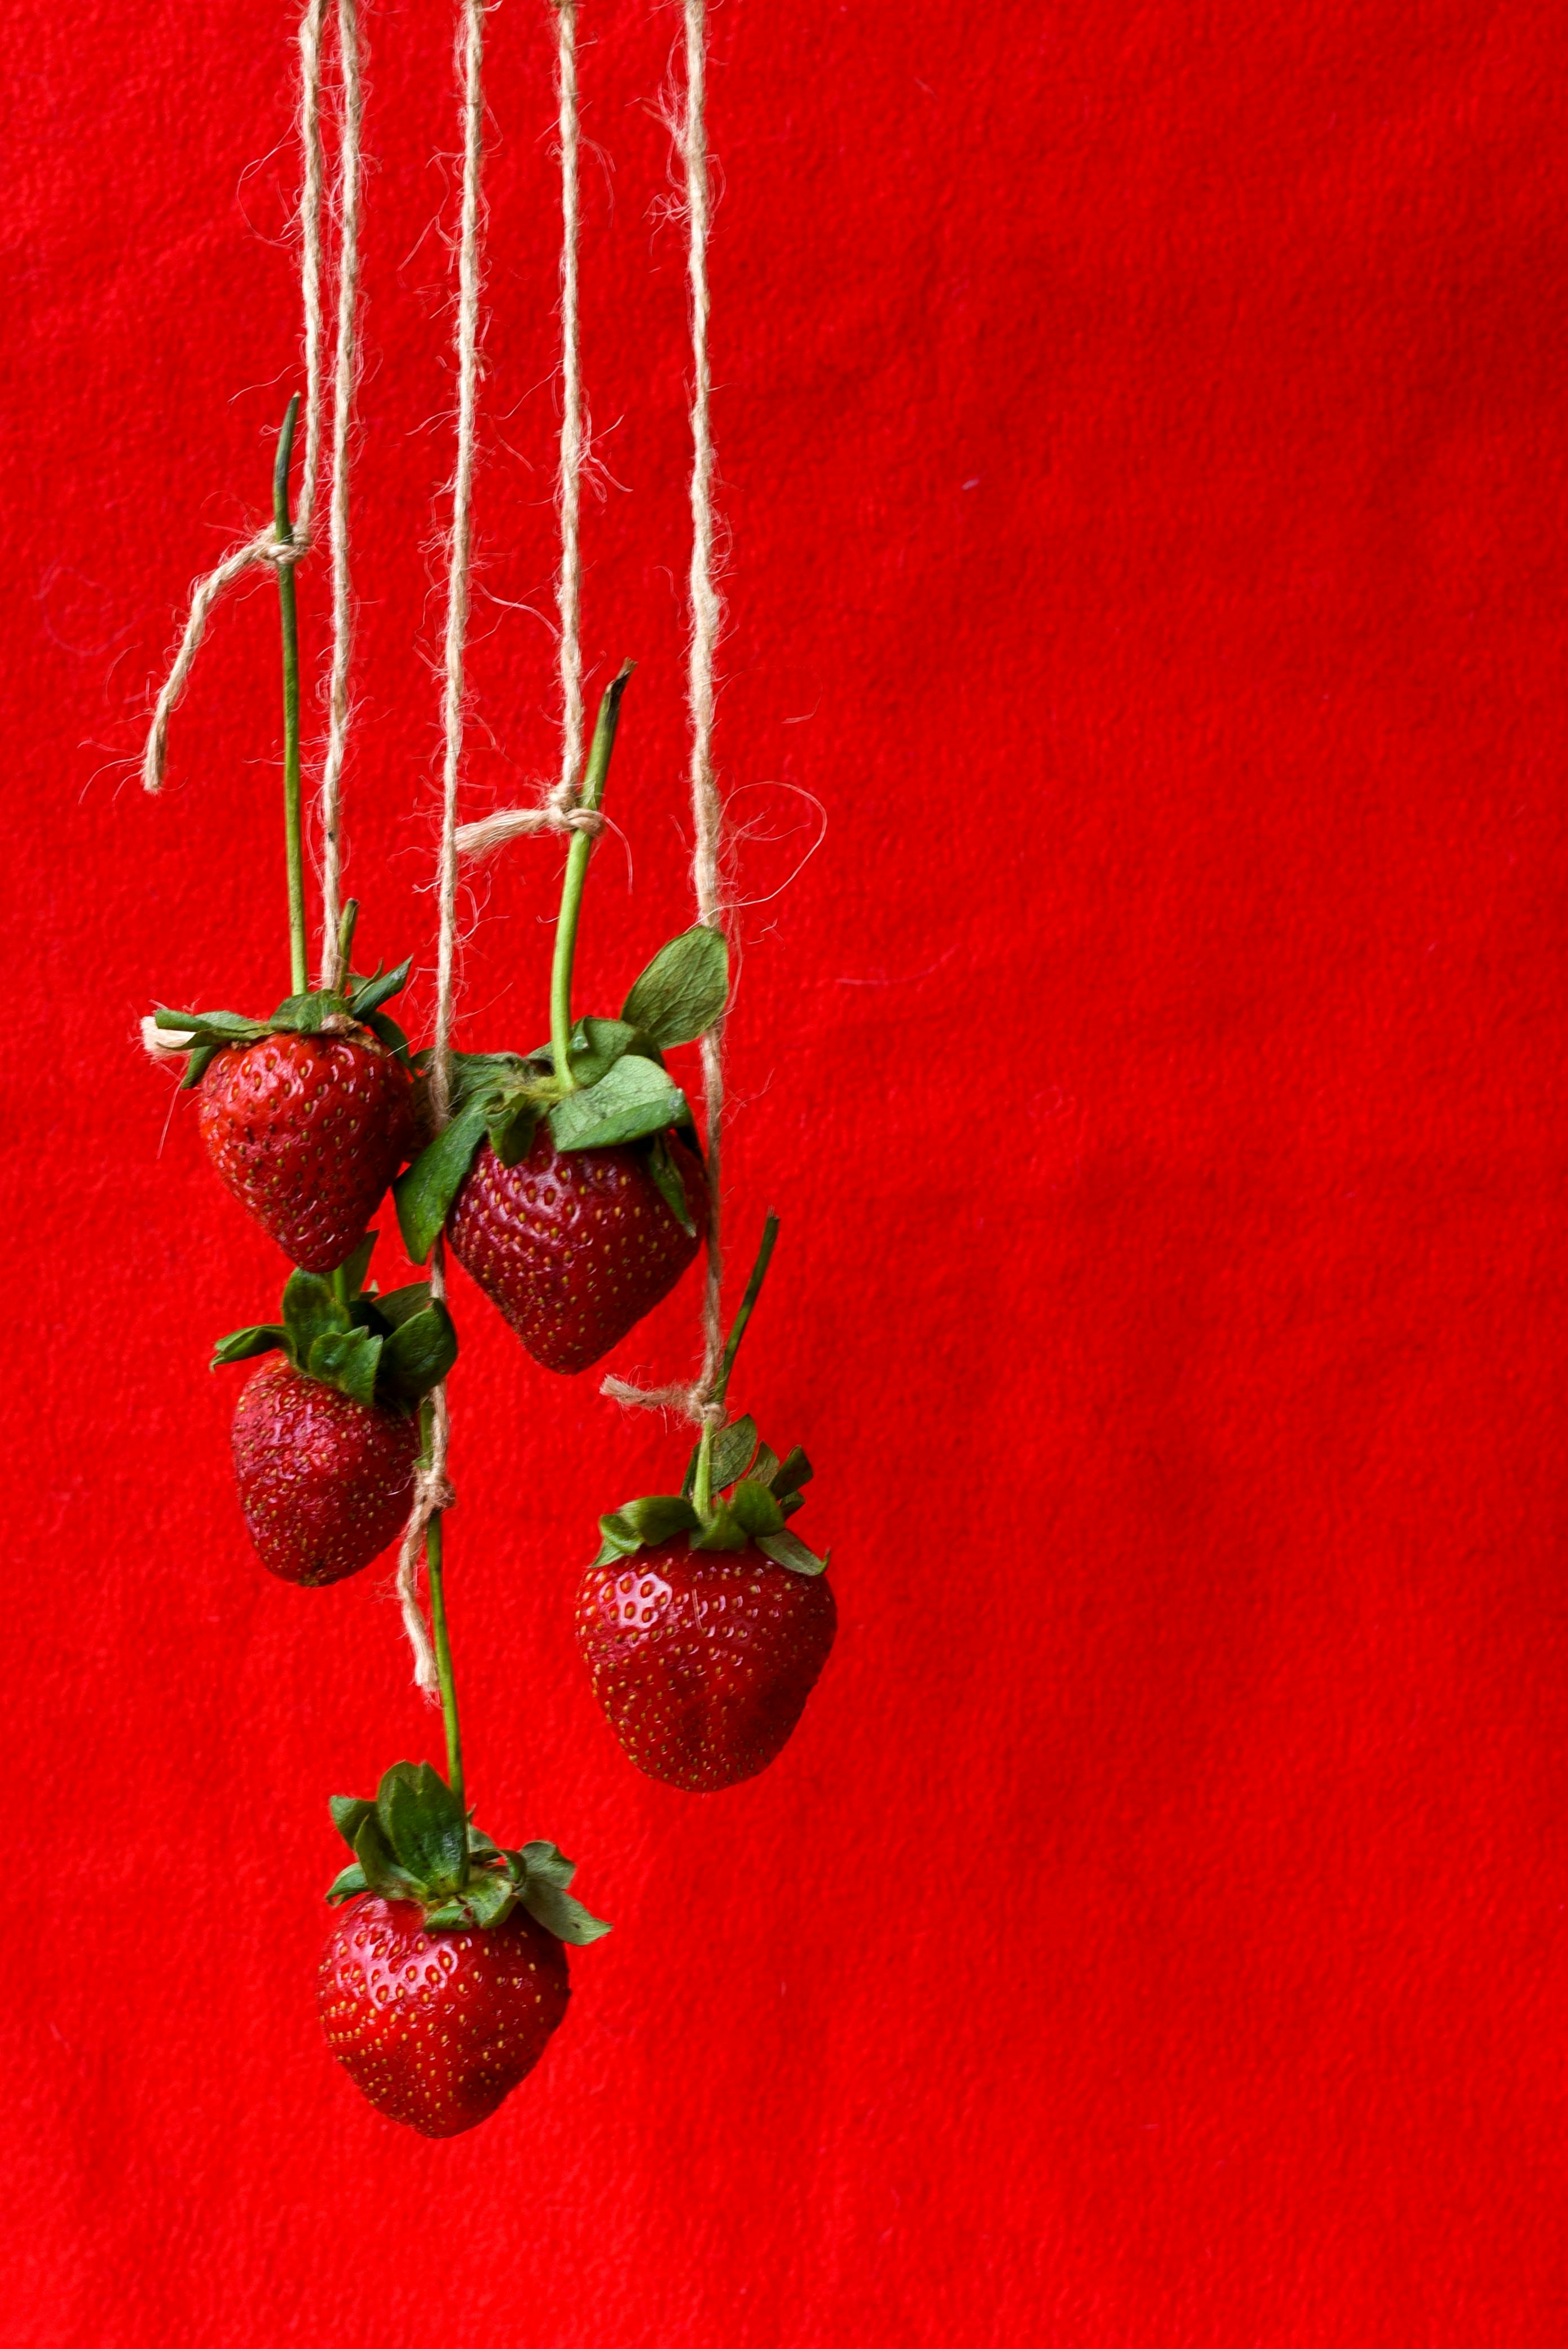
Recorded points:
(754, 1495)
(618, 1092)
(357, 1005)
(386, 1350)
(414, 1842)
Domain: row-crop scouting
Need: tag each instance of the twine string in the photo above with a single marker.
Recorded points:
(558, 809)
(345, 371)
(695, 1400)
(432, 1489)
(263, 547)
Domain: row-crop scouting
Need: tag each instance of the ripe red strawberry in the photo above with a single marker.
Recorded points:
(437, 2028)
(703, 1621)
(308, 1131)
(325, 1440)
(575, 1246)
(324, 1484)
(702, 1660)
(445, 1976)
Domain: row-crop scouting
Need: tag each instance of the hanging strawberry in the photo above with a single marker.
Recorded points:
(569, 1182)
(309, 1114)
(306, 1116)
(704, 1622)
(325, 1436)
(446, 1974)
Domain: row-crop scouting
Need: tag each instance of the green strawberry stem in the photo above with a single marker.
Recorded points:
(346, 929)
(283, 530)
(702, 1483)
(577, 873)
(438, 1634)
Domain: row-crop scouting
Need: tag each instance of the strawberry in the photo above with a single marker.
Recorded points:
(703, 1660)
(324, 1484)
(325, 1437)
(703, 1621)
(307, 1132)
(445, 1976)
(575, 1246)
(566, 1180)
(306, 1116)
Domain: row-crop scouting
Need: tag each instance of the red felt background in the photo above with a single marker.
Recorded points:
(1141, 434)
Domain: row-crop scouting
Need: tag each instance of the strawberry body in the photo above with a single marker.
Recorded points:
(325, 1483)
(436, 2029)
(307, 1132)
(702, 1660)
(573, 1246)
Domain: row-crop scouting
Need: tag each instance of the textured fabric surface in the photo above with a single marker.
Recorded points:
(1141, 434)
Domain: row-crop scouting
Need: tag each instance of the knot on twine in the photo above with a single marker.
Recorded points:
(492, 832)
(281, 552)
(433, 1494)
(692, 1402)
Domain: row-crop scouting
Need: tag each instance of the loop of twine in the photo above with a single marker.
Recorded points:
(707, 611)
(432, 1489)
(266, 547)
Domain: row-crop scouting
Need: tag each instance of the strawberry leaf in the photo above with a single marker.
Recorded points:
(683, 989)
(786, 1549)
(349, 1360)
(371, 993)
(724, 1530)
(311, 1310)
(197, 1066)
(733, 1449)
(349, 1812)
(596, 1046)
(643, 1525)
(511, 1129)
(263, 1338)
(633, 1099)
(669, 1183)
(424, 1823)
(545, 1876)
(352, 1880)
(485, 1900)
(387, 1032)
(374, 1855)
(218, 1028)
(796, 1470)
(425, 1192)
(754, 1509)
(400, 1305)
(480, 1075)
(766, 1467)
(305, 1015)
(418, 1353)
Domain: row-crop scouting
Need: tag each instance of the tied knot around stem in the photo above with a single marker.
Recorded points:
(693, 1402)
(433, 1493)
(492, 832)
